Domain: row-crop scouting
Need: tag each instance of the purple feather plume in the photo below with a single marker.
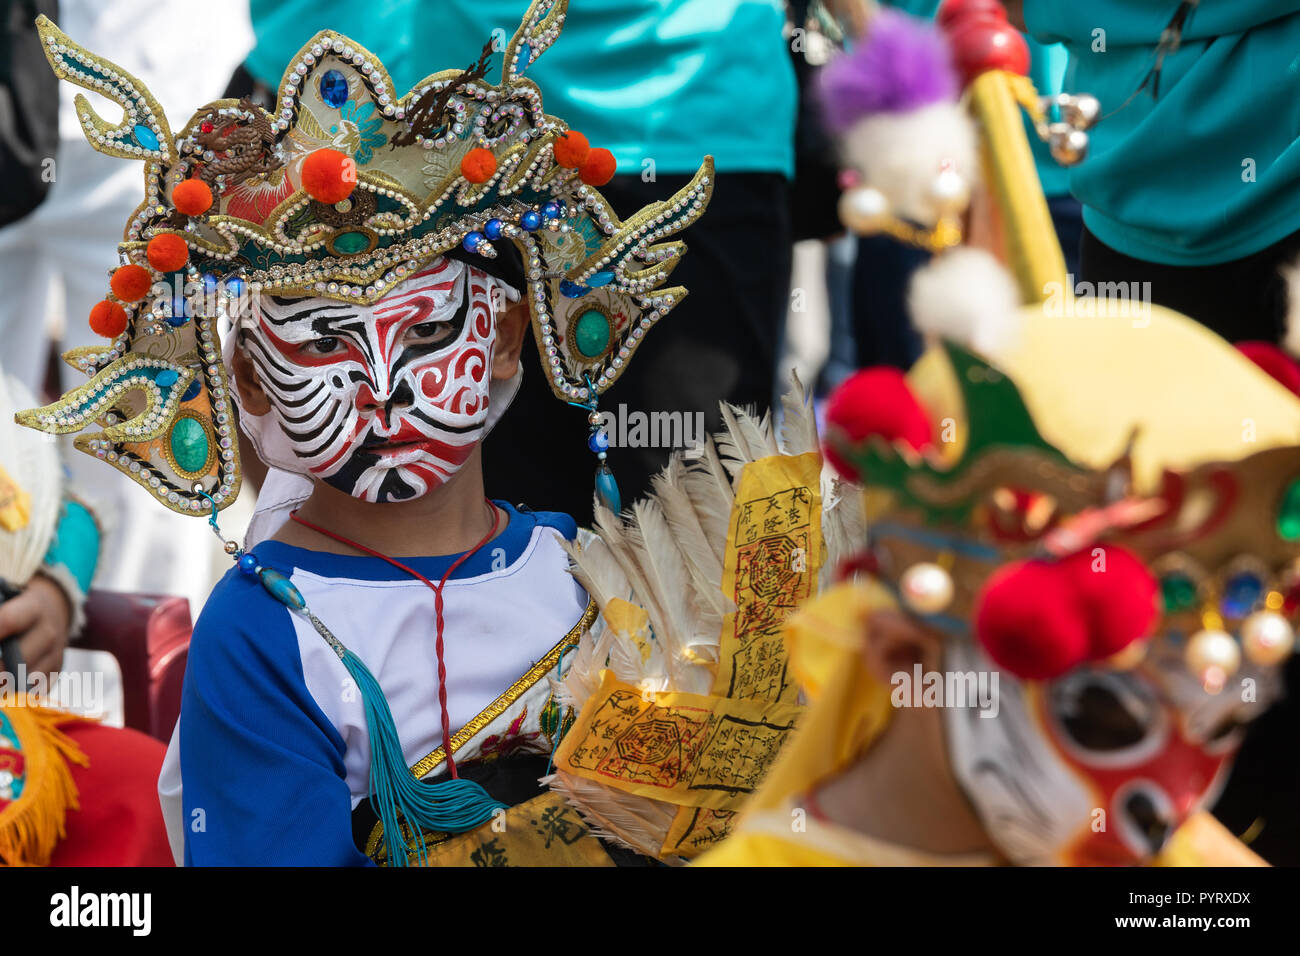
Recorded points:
(901, 64)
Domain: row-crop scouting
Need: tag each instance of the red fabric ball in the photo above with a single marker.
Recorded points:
(875, 401)
(984, 43)
(1117, 596)
(108, 319)
(1274, 361)
(131, 283)
(1029, 621)
(598, 168)
(328, 175)
(478, 165)
(570, 149)
(167, 252)
(955, 12)
(192, 197)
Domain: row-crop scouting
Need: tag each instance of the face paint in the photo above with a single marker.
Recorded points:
(1099, 767)
(385, 401)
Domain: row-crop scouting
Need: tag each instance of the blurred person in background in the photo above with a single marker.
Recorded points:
(52, 259)
(1193, 177)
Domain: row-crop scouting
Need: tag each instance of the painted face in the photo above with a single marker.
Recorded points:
(384, 401)
(1101, 766)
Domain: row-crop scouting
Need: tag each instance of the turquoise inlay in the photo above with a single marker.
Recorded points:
(145, 137)
(76, 543)
(189, 444)
(367, 126)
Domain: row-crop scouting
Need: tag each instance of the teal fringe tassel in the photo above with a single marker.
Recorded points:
(452, 806)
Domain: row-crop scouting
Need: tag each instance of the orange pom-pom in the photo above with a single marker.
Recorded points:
(598, 168)
(192, 197)
(108, 319)
(167, 252)
(478, 165)
(570, 149)
(329, 176)
(131, 283)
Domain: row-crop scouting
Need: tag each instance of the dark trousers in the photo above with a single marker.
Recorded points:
(1243, 300)
(719, 344)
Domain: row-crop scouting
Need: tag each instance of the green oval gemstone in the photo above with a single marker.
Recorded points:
(189, 444)
(1288, 514)
(1178, 592)
(591, 333)
(351, 242)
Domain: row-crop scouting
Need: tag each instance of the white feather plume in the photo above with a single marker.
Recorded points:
(967, 296)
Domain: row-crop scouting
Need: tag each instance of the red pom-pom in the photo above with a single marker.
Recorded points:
(167, 252)
(478, 165)
(954, 12)
(328, 175)
(570, 149)
(598, 168)
(108, 319)
(1117, 596)
(1274, 361)
(985, 43)
(192, 197)
(1029, 621)
(875, 401)
(131, 283)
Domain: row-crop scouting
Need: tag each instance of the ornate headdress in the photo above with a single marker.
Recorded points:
(343, 193)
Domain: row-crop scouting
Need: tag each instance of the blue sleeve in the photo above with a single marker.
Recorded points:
(262, 770)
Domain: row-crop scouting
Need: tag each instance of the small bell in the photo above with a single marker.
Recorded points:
(1068, 147)
(1213, 656)
(926, 588)
(1267, 638)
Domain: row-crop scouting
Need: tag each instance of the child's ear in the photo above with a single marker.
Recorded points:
(251, 395)
(512, 325)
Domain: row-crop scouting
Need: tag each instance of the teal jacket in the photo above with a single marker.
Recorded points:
(659, 82)
(1209, 171)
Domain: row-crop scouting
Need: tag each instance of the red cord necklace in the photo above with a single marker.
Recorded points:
(437, 604)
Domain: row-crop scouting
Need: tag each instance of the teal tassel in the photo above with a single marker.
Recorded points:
(451, 806)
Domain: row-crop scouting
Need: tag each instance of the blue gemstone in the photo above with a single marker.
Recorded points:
(166, 378)
(571, 290)
(492, 228)
(531, 220)
(281, 588)
(551, 209)
(192, 390)
(1240, 594)
(235, 286)
(473, 240)
(334, 89)
(600, 279)
(248, 563)
(146, 137)
(176, 321)
(598, 441)
(607, 490)
(210, 283)
(525, 53)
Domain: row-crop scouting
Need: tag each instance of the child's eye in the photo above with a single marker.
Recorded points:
(326, 345)
(428, 333)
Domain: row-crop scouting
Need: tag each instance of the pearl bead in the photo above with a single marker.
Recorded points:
(926, 588)
(1267, 637)
(864, 210)
(949, 193)
(1213, 656)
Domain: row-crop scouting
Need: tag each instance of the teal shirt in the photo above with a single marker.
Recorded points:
(1209, 172)
(665, 81)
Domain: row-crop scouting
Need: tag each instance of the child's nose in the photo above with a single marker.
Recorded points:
(368, 402)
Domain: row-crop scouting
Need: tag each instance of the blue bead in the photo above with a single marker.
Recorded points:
(600, 279)
(531, 220)
(210, 283)
(145, 137)
(551, 210)
(334, 89)
(1240, 594)
(598, 441)
(571, 290)
(281, 588)
(166, 378)
(472, 241)
(607, 490)
(248, 563)
(492, 228)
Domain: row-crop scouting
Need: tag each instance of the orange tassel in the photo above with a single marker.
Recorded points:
(32, 826)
